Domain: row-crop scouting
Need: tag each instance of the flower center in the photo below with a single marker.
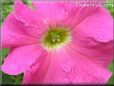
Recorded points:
(56, 37)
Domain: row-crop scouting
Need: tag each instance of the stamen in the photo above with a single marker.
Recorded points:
(55, 37)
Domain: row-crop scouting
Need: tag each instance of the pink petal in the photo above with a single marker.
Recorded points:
(39, 69)
(67, 67)
(20, 59)
(101, 53)
(35, 23)
(13, 33)
(52, 11)
(77, 16)
(25, 14)
(100, 29)
(95, 39)
(92, 73)
(57, 11)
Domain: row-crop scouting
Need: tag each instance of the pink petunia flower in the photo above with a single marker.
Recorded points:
(58, 43)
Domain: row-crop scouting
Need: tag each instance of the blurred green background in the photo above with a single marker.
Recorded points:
(7, 7)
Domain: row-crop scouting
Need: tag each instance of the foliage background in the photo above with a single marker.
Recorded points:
(7, 7)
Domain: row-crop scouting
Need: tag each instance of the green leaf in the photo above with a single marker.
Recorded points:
(18, 79)
(110, 7)
(6, 79)
(4, 52)
(111, 68)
